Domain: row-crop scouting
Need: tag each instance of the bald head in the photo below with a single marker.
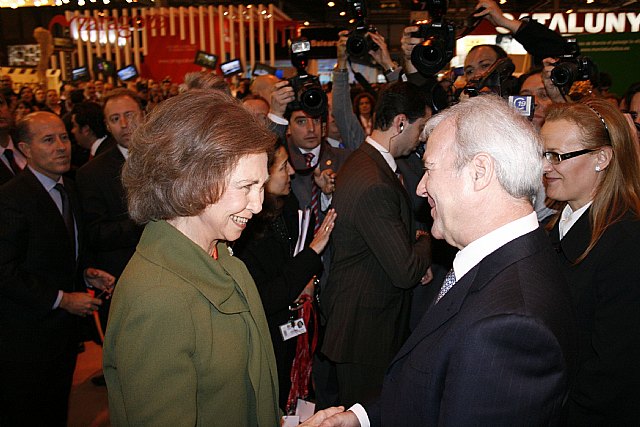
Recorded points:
(263, 86)
(44, 141)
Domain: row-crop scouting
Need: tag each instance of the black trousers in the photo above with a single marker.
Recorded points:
(36, 393)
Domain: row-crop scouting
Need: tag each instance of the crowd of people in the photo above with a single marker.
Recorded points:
(411, 261)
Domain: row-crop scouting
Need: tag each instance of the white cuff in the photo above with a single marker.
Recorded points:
(58, 300)
(361, 414)
(277, 119)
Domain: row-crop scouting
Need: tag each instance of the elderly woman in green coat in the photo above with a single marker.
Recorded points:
(187, 341)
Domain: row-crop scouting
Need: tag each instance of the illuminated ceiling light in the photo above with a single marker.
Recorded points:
(331, 4)
(264, 11)
(590, 1)
(307, 23)
(103, 1)
(249, 6)
(58, 2)
(569, 11)
(268, 16)
(343, 13)
(226, 12)
(351, 21)
(81, 3)
(503, 1)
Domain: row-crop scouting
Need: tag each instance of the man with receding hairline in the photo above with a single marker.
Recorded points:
(42, 284)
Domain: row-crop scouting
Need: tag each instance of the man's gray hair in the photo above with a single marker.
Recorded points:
(487, 124)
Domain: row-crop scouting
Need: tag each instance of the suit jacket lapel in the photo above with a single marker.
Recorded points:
(575, 241)
(474, 281)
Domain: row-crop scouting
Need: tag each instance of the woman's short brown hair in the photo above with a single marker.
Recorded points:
(181, 157)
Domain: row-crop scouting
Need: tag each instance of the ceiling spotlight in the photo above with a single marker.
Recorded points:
(590, 1)
(81, 3)
(264, 11)
(249, 6)
(307, 23)
(503, 1)
(351, 21)
(569, 11)
(226, 12)
(331, 4)
(343, 13)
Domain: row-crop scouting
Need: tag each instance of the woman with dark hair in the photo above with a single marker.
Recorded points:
(187, 341)
(363, 105)
(280, 261)
(593, 167)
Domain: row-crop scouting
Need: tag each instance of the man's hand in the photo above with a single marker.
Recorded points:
(342, 50)
(341, 419)
(282, 95)
(408, 42)
(326, 180)
(381, 55)
(99, 279)
(552, 90)
(79, 303)
(321, 416)
(493, 14)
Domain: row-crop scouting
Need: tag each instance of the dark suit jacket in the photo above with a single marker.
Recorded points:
(111, 234)
(606, 295)
(6, 174)
(375, 263)
(498, 349)
(301, 185)
(36, 261)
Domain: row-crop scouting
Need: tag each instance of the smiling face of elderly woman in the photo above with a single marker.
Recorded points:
(199, 162)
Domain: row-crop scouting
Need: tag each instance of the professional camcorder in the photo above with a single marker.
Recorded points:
(573, 67)
(359, 42)
(439, 40)
(308, 92)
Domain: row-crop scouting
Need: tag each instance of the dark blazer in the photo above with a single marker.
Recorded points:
(302, 184)
(111, 234)
(267, 251)
(375, 263)
(498, 349)
(36, 261)
(605, 288)
(6, 174)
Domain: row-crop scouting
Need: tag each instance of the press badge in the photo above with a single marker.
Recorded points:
(292, 329)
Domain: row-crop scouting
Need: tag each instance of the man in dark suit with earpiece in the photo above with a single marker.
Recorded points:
(376, 257)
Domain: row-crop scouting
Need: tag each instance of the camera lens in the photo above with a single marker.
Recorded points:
(564, 74)
(429, 53)
(313, 101)
(357, 46)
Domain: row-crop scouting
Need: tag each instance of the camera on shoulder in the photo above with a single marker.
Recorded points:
(309, 95)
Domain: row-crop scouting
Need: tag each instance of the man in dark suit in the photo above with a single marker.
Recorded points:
(89, 130)
(112, 236)
(11, 159)
(42, 291)
(376, 258)
(498, 347)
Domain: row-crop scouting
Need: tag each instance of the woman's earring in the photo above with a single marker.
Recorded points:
(597, 168)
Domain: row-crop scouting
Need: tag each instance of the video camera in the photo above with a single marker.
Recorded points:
(439, 40)
(495, 79)
(309, 95)
(359, 42)
(573, 67)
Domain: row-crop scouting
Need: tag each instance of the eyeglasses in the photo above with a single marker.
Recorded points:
(556, 158)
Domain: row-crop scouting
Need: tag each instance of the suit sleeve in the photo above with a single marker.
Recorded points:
(506, 370)
(539, 40)
(16, 283)
(158, 388)
(105, 231)
(350, 129)
(405, 261)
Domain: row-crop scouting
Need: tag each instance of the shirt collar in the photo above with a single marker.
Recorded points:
(314, 151)
(476, 251)
(46, 182)
(570, 217)
(124, 151)
(385, 153)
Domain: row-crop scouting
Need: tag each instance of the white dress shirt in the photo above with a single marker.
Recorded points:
(568, 217)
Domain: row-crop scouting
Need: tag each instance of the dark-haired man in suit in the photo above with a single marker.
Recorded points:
(498, 346)
(42, 288)
(111, 234)
(376, 259)
(12, 160)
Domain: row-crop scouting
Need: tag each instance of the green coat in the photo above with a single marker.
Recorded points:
(187, 341)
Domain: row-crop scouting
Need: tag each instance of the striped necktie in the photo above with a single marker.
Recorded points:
(315, 194)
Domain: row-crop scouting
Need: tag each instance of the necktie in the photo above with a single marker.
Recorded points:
(449, 281)
(315, 194)
(8, 153)
(400, 177)
(67, 214)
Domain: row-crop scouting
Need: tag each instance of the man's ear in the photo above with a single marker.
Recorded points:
(481, 170)
(25, 148)
(399, 123)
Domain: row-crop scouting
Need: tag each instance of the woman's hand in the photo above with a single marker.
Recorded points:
(321, 239)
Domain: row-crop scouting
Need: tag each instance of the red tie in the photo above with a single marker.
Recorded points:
(315, 194)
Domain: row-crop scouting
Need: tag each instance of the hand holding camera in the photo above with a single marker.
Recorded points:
(282, 95)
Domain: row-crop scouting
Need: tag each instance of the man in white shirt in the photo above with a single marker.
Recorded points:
(498, 346)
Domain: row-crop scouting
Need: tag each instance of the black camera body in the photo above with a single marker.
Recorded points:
(359, 42)
(496, 79)
(309, 96)
(572, 67)
(437, 47)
